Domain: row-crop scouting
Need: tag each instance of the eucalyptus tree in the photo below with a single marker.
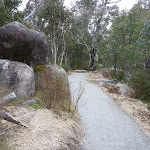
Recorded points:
(145, 4)
(128, 39)
(31, 10)
(93, 18)
(51, 17)
(144, 43)
(54, 20)
(9, 11)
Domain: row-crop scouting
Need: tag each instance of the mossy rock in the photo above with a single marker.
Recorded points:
(39, 68)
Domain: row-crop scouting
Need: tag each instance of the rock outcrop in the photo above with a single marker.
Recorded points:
(17, 76)
(18, 43)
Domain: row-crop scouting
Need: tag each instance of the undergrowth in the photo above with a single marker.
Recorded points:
(140, 82)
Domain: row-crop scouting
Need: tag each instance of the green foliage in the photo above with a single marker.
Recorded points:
(78, 57)
(54, 20)
(127, 44)
(144, 42)
(53, 13)
(39, 68)
(140, 82)
(119, 75)
(9, 12)
(38, 105)
(90, 25)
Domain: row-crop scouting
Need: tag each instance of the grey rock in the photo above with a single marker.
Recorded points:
(125, 90)
(114, 81)
(103, 80)
(107, 85)
(8, 98)
(17, 76)
(18, 43)
(28, 102)
(53, 73)
(80, 71)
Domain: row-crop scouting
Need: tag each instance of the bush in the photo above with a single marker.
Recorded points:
(140, 82)
(106, 73)
(52, 91)
(119, 75)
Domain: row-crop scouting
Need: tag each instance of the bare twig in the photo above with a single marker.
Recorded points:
(81, 90)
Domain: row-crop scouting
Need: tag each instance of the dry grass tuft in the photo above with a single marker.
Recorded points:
(45, 130)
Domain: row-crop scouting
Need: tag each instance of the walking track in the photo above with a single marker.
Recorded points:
(105, 125)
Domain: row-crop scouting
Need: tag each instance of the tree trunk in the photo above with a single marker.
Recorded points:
(93, 60)
(54, 49)
(115, 64)
(38, 4)
(64, 49)
(147, 63)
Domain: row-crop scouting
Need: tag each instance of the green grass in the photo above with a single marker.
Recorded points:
(36, 106)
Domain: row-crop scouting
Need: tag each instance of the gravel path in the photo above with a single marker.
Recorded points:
(106, 126)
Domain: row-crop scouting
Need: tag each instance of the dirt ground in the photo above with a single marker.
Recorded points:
(45, 130)
(135, 108)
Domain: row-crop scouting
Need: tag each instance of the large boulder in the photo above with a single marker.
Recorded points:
(18, 43)
(51, 72)
(18, 77)
(53, 86)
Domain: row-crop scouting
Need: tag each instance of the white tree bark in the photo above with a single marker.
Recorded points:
(38, 4)
(32, 14)
(64, 47)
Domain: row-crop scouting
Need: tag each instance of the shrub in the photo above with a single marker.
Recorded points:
(106, 73)
(119, 75)
(140, 82)
(52, 91)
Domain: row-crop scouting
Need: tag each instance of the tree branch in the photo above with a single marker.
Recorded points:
(114, 2)
(38, 4)
(30, 15)
(83, 43)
